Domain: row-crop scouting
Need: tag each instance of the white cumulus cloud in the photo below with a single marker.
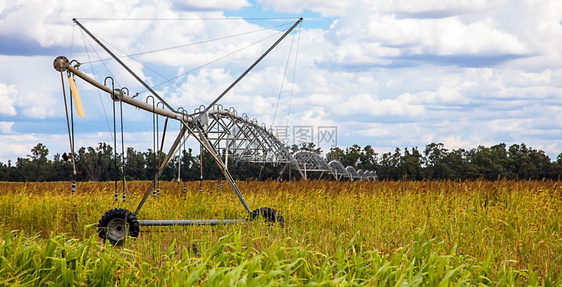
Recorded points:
(8, 94)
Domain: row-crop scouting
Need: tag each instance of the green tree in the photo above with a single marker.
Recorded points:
(435, 154)
(335, 153)
(367, 158)
(479, 163)
(62, 170)
(456, 164)
(519, 161)
(9, 172)
(98, 163)
(307, 146)
(411, 164)
(352, 156)
(389, 166)
(36, 167)
(135, 165)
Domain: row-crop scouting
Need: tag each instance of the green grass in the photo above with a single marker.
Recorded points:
(501, 233)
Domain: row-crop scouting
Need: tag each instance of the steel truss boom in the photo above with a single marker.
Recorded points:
(191, 124)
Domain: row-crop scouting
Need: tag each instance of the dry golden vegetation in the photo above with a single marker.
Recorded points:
(336, 233)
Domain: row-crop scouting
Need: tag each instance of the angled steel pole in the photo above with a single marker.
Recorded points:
(204, 140)
(249, 69)
(123, 65)
(162, 166)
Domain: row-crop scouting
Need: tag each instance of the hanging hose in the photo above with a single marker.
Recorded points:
(114, 136)
(153, 135)
(115, 153)
(73, 187)
(179, 167)
(184, 184)
(160, 145)
(201, 167)
(70, 136)
(157, 151)
(122, 149)
(182, 156)
(160, 151)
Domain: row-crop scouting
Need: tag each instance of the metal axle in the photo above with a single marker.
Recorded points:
(187, 222)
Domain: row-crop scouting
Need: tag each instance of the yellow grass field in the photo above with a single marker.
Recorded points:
(336, 233)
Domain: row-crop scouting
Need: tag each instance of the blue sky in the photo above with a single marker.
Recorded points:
(253, 10)
(385, 73)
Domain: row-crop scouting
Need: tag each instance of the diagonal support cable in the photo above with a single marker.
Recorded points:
(249, 69)
(123, 65)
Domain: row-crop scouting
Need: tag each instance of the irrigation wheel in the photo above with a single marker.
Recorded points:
(269, 215)
(117, 224)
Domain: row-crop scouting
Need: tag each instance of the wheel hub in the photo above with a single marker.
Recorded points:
(117, 229)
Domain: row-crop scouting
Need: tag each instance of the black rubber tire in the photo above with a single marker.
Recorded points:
(268, 214)
(116, 224)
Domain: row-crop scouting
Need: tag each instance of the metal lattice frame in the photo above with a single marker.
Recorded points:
(243, 139)
(371, 175)
(308, 161)
(353, 173)
(361, 174)
(338, 169)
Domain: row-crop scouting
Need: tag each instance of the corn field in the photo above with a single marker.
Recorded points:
(424, 233)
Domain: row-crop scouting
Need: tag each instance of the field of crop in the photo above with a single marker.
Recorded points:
(402, 233)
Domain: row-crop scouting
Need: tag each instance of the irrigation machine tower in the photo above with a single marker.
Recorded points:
(235, 134)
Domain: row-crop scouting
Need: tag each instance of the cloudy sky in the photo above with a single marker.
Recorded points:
(400, 73)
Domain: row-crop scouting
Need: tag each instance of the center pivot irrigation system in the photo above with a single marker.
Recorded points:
(244, 138)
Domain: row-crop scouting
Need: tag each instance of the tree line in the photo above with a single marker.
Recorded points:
(434, 162)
